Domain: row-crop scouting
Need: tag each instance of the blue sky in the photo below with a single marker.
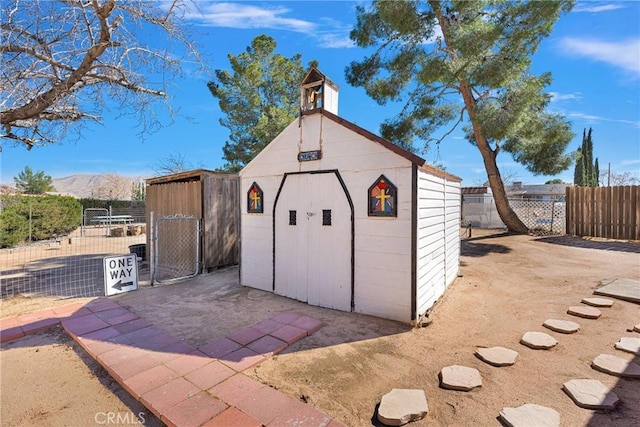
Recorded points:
(593, 54)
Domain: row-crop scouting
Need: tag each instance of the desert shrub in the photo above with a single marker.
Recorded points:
(37, 218)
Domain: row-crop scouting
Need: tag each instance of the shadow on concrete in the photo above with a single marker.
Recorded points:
(605, 245)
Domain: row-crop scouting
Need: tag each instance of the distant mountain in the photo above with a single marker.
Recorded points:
(103, 186)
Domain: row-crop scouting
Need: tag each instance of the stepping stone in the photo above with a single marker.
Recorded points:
(401, 406)
(460, 378)
(530, 415)
(538, 340)
(616, 366)
(584, 311)
(629, 344)
(562, 326)
(590, 394)
(497, 356)
(597, 302)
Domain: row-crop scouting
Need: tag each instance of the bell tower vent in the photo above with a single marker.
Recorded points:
(318, 92)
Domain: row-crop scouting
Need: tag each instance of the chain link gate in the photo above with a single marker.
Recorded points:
(176, 252)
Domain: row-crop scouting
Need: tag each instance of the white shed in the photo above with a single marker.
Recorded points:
(338, 217)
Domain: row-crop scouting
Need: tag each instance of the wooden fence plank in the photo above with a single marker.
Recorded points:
(636, 203)
(628, 213)
(610, 212)
(568, 212)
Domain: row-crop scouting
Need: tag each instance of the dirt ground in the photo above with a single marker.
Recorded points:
(509, 285)
(48, 380)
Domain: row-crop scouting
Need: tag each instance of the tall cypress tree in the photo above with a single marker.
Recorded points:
(586, 173)
(578, 172)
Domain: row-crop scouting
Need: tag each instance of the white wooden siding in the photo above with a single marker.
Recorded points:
(438, 237)
(256, 237)
(382, 245)
(383, 248)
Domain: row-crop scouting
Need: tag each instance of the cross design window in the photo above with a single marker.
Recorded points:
(254, 199)
(383, 200)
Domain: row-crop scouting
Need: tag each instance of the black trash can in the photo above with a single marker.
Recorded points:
(140, 250)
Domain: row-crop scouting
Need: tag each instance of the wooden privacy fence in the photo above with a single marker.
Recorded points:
(609, 212)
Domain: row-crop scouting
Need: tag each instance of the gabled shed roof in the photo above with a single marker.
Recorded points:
(193, 175)
(416, 160)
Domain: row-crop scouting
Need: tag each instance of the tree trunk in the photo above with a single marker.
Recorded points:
(507, 215)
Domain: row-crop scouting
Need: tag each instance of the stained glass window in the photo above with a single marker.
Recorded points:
(383, 198)
(254, 199)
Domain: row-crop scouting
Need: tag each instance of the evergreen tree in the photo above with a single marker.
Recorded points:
(452, 63)
(138, 191)
(28, 182)
(259, 96)
(578, 171)
(586, 172)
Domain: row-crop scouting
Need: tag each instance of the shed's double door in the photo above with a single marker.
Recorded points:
(313, 241)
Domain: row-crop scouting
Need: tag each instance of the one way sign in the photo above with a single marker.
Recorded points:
(120, 274)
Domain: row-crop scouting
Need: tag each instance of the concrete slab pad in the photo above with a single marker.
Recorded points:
(530, 415)
(401, 406)
(620, 288)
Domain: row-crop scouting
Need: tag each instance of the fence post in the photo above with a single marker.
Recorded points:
(30, 219)
(151, 252)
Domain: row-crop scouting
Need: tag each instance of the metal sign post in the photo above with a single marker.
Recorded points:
(120, 274)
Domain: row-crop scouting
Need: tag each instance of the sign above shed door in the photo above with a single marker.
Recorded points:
(313, 241)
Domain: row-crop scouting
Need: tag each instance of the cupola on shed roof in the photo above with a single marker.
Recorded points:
(318, 92)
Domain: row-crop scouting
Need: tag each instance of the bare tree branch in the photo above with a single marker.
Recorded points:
(62, 60)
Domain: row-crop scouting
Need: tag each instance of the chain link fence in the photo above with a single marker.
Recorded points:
(71, 265)
(541, 216)
(176, 254)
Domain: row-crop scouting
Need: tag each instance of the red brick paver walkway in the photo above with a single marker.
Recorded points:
(181, 384)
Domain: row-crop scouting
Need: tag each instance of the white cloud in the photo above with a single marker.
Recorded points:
(590, 118)
(557, 96)
(328, 32)
(335, 41)
(622, 54)
(244, 16)
(592, 8)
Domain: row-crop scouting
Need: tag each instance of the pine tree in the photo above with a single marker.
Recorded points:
(259, 97)
(476, 72)
(29, 182)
